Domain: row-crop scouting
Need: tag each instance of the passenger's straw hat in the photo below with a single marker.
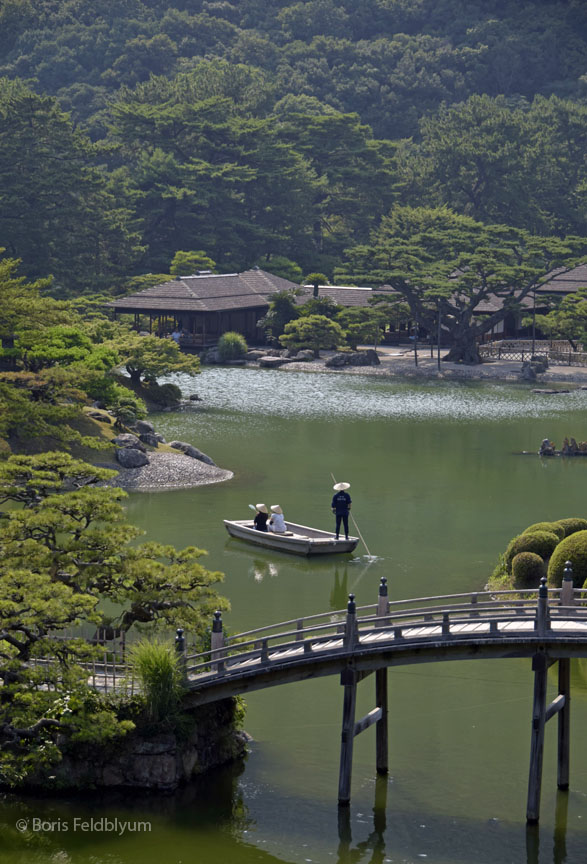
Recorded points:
(275, 508)
(261, 508)
(339, 487)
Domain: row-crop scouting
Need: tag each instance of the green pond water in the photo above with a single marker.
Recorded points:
(438, 487)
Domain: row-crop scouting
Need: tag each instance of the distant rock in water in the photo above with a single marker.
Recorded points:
(190, 450)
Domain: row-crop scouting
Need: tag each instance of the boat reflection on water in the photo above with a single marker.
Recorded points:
(267, 566)
(263, 569)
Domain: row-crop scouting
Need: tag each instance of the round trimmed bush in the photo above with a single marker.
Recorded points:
(573, 549)
(527, 570)
(542, 543)
(573, 525)
(552, 527)
(164, 395)
(231, 346)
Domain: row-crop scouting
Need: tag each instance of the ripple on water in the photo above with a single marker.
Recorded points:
(286, 394)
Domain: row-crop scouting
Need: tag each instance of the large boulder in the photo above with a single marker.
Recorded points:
(304, 355)
(269, 362)
(190, 450)
(128, 440)
(338, 360)
(368, 357)
(130, 457)
(144, 426)
(149, 438)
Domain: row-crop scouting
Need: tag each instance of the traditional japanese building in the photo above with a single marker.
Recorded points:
(204, 306)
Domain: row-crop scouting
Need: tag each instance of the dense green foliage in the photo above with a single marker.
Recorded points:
(573, 549)
(443, 263)
(282, 132)
(540, 542)
(66, 554)
(231, 346)
(313, 332)
(573, 524)
(527, 570)
(156, 666)
(551, 527)
(543, 549)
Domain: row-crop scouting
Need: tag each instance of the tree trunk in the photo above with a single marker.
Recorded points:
(464, 351)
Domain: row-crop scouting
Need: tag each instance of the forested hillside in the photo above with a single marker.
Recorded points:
(250, 130)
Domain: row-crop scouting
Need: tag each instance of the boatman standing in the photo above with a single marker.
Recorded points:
(341, 504)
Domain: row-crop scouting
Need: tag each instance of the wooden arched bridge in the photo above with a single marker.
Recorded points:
(548, 626)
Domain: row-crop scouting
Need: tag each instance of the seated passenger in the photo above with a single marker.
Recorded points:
(277, 520)
(261, 516)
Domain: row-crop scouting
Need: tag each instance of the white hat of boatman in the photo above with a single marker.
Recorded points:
(340, 487)
(275, 508)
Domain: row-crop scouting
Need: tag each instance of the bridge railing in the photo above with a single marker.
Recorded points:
(330, 631)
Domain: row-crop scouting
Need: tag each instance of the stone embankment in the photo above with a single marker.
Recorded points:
(159, 762)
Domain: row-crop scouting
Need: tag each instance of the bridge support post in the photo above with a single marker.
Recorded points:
(539, 667)
(564, 689)
(381, 734)
(348, 679)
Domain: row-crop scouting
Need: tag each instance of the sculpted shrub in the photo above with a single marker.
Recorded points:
(572, 525)
(527, 570)
(541, 543)
(573, 549)
(552, 527)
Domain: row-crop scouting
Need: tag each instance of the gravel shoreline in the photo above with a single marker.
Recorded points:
(167, 471)
(395, 363)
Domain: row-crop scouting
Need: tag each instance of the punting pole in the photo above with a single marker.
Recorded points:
(355, 524)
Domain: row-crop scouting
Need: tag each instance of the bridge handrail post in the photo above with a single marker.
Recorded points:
(542, 621)
(566, 595)
(217, 643)
(181, 652)
(382, 601)
(351, 636)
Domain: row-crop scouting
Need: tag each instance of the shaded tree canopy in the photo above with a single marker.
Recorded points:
(439, 261)
(65, 553)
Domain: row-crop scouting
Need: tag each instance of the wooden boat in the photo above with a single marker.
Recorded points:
(299, 539)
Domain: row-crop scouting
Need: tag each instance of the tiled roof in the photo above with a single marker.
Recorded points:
(345, 296)
(560, 282)
(206, 293)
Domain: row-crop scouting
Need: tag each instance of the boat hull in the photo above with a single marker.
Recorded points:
(300, 539)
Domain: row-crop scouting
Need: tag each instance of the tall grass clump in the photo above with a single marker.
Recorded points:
(156, 666)
(232, 346)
